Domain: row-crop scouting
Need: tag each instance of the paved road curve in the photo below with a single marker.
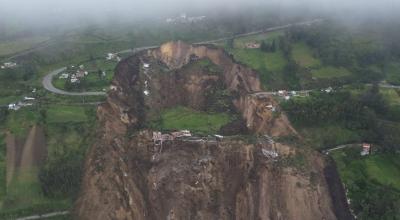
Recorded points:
(47, 80)
(48, 85)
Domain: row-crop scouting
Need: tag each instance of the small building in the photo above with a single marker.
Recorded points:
(182, 133)
(366, 149)
(14, 107)
(253, 45)
(29, 98)
(64, 76)
(157, 137)
(113, 88)
(74, 79)
(81, 73)
(271, 108)
(287, 98)
(282, 92)
(329, 90)
(9, 65)
(146, 65)
(269, 153)
(113, 56)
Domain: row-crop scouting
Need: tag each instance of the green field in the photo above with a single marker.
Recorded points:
(259, 60)
(371, 181)
(330, 72)
(393, 73)
(383, 169)
(18, 122)
(15, 46)
(268, 37)
(269, 65)
(302, 54)
(329, 136)
(391, 95)
(63, 114)
(2, 168)
(181, 118)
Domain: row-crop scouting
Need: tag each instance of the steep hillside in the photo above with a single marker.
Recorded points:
(129, 176)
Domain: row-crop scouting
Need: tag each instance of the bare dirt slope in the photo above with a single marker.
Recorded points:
(128, 176)
(23, 155)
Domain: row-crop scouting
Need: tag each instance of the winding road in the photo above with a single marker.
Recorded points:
(48, 84)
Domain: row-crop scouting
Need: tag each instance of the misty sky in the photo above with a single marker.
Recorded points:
(47, 11)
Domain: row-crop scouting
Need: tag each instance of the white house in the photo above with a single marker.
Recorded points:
(64, 76)
(14, 107)
(28, 98)
(366, 149)
(9, 65)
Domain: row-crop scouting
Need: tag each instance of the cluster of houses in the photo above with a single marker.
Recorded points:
(27, 101)
(77, 76)
(8, 65)
(287, 95)
(159, 137)
(113, 57)
(183, 18)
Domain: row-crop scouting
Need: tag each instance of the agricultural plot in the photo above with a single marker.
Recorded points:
(65, 114)
(302, 54)
(393, 73)
(241, 42)
(330, 72)
(15, 46)
(181, 118)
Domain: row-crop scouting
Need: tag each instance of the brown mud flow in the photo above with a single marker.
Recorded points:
(25, 154)
(128, 176)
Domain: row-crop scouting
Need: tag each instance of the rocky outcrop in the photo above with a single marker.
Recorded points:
(128, 176)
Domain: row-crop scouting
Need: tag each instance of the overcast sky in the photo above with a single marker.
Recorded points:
(47, 11)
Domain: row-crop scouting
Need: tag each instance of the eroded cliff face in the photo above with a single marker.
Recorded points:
(238, 79)
(128, 176)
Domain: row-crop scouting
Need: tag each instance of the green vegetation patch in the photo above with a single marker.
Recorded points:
(330, 72)
(393, 73)
(258, 38)
(184, 118)
(11, 47)
(259, 60)
(63, 114)
(392, 96)
(385, 169)
(18, 122)
(329, 135)
(302, 54)
(2, 167)
(373, 182)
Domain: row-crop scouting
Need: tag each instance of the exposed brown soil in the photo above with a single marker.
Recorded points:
(127, 176)
(23, 155)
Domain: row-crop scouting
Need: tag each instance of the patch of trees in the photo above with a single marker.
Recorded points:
(338, 46)
(25, 72)
(61, 176)
(269, 47)
(364, 114)
(3, 115)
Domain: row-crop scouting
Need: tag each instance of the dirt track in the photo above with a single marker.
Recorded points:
(34, 150)
(24, 155)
